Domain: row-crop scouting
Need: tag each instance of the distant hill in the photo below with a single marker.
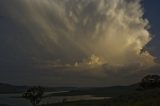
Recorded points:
(96, 91)
(101, 91)
(8, 88)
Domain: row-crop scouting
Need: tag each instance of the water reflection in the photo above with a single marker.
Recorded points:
(14, 100)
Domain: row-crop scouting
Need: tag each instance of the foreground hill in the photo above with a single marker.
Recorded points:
(139, 98)
(3, 105)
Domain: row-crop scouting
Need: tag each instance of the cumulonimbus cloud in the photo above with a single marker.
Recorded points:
(69, 32)
(114, 30)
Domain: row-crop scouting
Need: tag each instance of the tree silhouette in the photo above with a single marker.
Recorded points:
(150, 81)
(34, 95)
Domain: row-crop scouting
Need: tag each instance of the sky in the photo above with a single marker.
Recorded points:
(78, 42)
(151, 12)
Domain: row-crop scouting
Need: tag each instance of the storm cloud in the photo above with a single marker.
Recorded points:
(91, 39)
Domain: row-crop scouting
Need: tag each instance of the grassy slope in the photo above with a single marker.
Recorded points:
(139, 98)
(3, 105)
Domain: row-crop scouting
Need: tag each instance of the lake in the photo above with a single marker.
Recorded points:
(10, 99)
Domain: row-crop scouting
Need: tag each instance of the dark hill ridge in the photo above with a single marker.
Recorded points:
(97, 91)
(101, 91)
(148, 82)
(8, 88)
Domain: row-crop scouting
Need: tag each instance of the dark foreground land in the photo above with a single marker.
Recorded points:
(138, 98)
